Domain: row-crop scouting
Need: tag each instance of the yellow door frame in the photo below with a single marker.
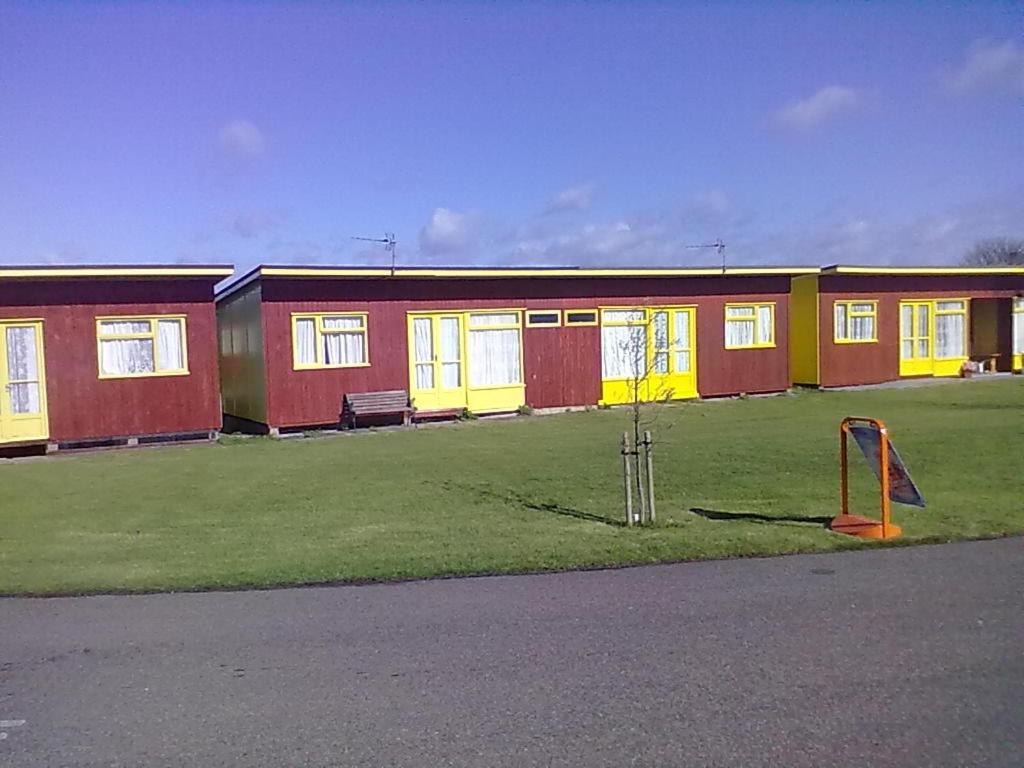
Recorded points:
(478, 399)
(931, 364)
(671, 385)
(1017, 337)
(19, 427)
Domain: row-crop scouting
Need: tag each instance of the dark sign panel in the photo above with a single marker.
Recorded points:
(901, 486)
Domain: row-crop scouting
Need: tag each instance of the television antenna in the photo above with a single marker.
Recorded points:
(718, 245)
(390, 246)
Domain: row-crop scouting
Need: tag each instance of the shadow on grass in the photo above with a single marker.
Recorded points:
(714, 514)
(517, 499)
(558, 509)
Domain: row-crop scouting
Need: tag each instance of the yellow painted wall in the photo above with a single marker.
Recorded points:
(803, 330)
(242, 371)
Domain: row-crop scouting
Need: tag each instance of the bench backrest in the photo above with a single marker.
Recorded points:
(367, 402)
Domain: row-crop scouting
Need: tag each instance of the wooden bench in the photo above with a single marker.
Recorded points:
(356, 404)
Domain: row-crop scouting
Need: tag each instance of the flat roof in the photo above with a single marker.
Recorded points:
(267, 270)
(218, 271)
(842, 269)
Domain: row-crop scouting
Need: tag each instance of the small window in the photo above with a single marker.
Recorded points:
(749, 326)
(546, 318)
(141, 346)
(580, 317)
(855, 322)
(329, 341)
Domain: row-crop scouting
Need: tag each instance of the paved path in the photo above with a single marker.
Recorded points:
(911, 657)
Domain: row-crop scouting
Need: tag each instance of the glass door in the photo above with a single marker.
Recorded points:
(437, 362)
(22, 382)
(916, 355)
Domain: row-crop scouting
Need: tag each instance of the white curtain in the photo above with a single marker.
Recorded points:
(907, 330)
(344, 348)
(22, 370)
(502, 318)
(840, 320)
(1018, 327)
(623, 351)
(122, 357)
(451, 357)
(681, 363)
(765, 325)
(171, 352)
(660, 323)
(423, 352)
(862, 328)
(923, 330)
(124, 327)
(738, 333)
(949, 336)
(305, 341)
(494, 357)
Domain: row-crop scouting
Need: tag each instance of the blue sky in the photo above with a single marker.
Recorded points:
(536, 133)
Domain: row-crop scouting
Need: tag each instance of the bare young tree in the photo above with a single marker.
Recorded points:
(996, 252)
(645, 351)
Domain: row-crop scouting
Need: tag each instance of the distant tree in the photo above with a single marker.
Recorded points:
(995, 252)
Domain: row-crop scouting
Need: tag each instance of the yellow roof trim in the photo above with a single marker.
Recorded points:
(925, 270)
(526, 272)
(16, 272)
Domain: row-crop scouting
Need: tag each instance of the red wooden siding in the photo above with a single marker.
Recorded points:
(562, 366)
(850, 364)
(82, 406)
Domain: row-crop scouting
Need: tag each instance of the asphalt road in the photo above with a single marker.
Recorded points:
(910, 657)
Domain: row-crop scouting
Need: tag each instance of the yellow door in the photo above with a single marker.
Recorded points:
(437, 371)
(916, 356)
(648, 352)
(22, 382)
(1018, 334)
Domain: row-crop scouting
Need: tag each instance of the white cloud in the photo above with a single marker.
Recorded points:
(828, 103)
(448, 233)
(576, 198)
(243, 139)
(990, 64)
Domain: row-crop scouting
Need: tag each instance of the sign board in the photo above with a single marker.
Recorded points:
(901, 487)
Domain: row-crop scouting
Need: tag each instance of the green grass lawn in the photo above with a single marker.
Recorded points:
(490, 496)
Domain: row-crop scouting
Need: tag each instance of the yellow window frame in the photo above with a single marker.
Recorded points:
(751, 316)
(153, 335)
(517, 326)
(556, 324)
(320, 331)
(872, 313)
(965, 305)
(580, 323)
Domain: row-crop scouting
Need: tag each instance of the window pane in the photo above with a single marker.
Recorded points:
(424, 376)
(451, 375)
(543, 318)
(494, 358)
(739, 311)
(661, 331)
(949, 305)
(120, 327)
(841, 332)
(170, 349)
(949, 336)
(503, 318)
(423, 334)
(21, 354)
(343, 322)
(660, 362)
(765, 325)
(24, 397)
(907, 320)
(1018, 333)
(682, 330)
(922, 348)
(305, 341)
(739, 333)
(580, 317)
(922, 321)
(907, 350)
(682, 362)
(124, 357)
(344, 348)
(862, 307)
(862, 328)
(623, 351)
(623, 315)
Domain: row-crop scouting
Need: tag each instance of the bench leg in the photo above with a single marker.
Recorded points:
(405, 418)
